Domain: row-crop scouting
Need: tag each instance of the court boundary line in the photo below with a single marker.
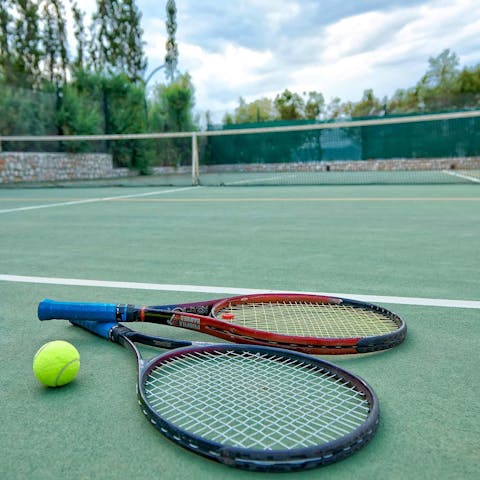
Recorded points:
(97, 199)
(461, 175)
(430, 302)
(135, 198)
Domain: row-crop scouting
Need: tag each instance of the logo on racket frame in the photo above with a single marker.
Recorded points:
(179, 320)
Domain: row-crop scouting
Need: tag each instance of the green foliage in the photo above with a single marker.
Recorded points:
(26, 112)
(5, 35)
(116, 45)
(54, 39)
(171, 58)
(172, 104)
(404, 101)
(314, 105)
(99, 90)
(468, 87)
(79, 113)
(80, 37)
(286, 106)
(260, 110)
(442, 87)
(468, 80)
(124, 108)
(368, 106)
(170, 110)
(125, 103)
(289, 105)
(23, 66)
(442, 71)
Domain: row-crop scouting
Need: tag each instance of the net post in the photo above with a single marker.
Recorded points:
(195, 165)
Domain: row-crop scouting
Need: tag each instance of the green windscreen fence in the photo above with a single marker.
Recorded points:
(448, 137)
(437, 148)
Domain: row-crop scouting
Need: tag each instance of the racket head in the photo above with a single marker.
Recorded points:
(258, 408)
(309, 323)
(313, 324)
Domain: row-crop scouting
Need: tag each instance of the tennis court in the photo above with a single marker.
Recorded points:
(411, 248)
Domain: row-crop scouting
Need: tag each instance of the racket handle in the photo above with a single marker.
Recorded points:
(100, 312)
(102, 329)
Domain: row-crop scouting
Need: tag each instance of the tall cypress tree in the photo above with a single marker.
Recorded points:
(54, 40)
(5, 38)
(26, 49)
(117, 45)
(171, 59)
(79, 61)
(135, 61)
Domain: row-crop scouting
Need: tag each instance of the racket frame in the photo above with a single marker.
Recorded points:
(200, 316)
(248, 459)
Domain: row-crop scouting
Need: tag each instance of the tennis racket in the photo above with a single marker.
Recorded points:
(248, 406)
(308, 323)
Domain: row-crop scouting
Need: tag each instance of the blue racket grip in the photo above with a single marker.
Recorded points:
(99, 328)
(100, 312)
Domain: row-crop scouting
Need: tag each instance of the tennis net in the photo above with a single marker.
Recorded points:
(437, 148)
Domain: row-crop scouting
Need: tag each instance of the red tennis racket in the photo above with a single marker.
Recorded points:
(308, 323)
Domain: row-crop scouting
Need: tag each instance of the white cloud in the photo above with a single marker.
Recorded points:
(232, 70)
(279, 14)
(257, 48)
(353, 35)
(387, 50)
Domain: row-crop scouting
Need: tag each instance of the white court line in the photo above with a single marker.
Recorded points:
(243, 182)
(430, 302)
(260, 180)
(460, 175)
(92, 200)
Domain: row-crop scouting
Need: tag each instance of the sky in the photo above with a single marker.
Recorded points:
(258, 48)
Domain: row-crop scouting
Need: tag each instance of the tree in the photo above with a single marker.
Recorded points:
(368, 106)
(135, 60)
(289, 105)
(442, 70)
(404, 101)
(468, 86)
(172, 106)
(335, 109)
(25, 45)
(314, 105)
(26, 112)
(81, 111)
(171, 59)
(5, 37)
(116, 40)
(79, 61)
(435, 88)
(170, 110)
(54, 40)
(285, 106)
(261, 110)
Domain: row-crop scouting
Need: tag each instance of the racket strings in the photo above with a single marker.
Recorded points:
(257, 401)
(310, 319)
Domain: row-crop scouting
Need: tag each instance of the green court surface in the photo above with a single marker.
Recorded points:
(415, 246)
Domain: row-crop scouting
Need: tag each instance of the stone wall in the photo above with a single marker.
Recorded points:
(394, 164)
(16, 167)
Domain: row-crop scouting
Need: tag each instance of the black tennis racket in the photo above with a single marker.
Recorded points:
(309, 323)
(247, 406)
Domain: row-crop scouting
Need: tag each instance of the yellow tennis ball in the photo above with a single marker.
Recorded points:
(56, 363)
